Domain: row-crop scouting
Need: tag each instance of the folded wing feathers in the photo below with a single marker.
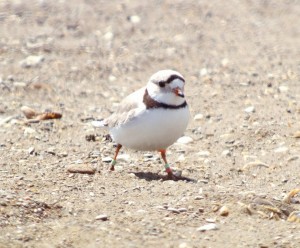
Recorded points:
(126, 111)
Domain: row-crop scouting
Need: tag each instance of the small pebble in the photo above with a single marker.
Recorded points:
(112, 78)
(211, 220)
(226, 153)
(224, 211)
(225, 62)
(148, 155)
(208, 227)
(199, 197)
(107, 159)
(63, 154)
(174, 210)
(184, 140)
(134, 19)
(249, 109)
(108, 36)
(124, 157)
(283, 88)
(297, 135)
(198, 117)
(294, 217)
(203, 72)
(203, 154)
(32, 61)
(31, 150)
(29, 130)
(181, 158)
(20, 84)
(103, 217)
(81, 168)
(293, 158)
(201, 210)
(181, 210)
(282, 149)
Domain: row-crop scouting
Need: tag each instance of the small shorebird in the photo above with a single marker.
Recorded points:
(151, 118)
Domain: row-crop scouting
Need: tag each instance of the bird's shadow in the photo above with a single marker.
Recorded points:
(150, 176)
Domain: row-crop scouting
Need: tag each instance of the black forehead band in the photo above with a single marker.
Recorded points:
(173, 77)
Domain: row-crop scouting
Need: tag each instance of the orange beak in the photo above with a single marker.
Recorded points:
(178, 92)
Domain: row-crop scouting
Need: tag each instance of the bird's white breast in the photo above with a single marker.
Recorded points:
(152, 129)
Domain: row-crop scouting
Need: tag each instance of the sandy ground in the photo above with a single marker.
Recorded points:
(80, 58)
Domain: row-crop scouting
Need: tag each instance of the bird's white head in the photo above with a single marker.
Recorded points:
(167, 86)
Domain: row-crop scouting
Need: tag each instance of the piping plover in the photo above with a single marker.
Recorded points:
(151, 118)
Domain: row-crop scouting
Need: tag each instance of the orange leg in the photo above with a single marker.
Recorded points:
(167, 166)
(114, 161)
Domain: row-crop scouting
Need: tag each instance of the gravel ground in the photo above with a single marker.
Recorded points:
(78, 58)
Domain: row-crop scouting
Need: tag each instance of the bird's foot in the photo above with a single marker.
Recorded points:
(112, 165)
(172, 175)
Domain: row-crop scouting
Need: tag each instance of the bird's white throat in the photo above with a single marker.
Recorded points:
(163, 96)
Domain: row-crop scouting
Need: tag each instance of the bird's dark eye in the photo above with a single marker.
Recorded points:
(162, 84)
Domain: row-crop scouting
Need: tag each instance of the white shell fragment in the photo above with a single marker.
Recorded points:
(32, 61)
(184, 140)
(282, 149)
(208, 227)
(249, 109)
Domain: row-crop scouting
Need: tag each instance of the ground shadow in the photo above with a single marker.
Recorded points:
(150, 176)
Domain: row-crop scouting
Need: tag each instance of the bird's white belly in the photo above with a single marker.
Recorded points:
(153, 129)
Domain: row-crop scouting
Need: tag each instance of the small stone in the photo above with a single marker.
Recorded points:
(249, 109)
(124, 157)
(224, 211)
(211, 220)
(293, 158)
(297, 135)
(95, 154)
(204, 154)
(90, 137)
(199, 197)
(134, 19)
(181, 210)
(32, 61)
(141, 211)
(29, 130)
(112, 78)
(20, 84)
(81, 168)
(225, 62)
(184, 245)
(226, 153)
(282, 149)
(148, 155)
(294, 217)
(108, 36)
(29, 112)
(283, 88)
(201, 210)
(184, 140)
(208, 227)
(174, 210)
(256, 163)
(181, 158)
(203, 72)
(31, 150)
(198, 117)
(107, 159)
(102, 217)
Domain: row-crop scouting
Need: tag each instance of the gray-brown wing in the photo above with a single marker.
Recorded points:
(128, 109)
